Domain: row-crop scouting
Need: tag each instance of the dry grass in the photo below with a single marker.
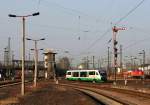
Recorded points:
(9, 101)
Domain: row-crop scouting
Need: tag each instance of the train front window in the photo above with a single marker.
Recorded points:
(102, 73)
(96, 73)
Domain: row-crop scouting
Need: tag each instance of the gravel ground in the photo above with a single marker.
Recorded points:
(48, 94)
(56, 95)
(44, 94)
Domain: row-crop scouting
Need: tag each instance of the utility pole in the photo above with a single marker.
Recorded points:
(6, 56)
(143, 59)
(143, 52)
(93, 62)
(23, 48)
(121, 59)
(131, 62)
(35, 58)
(36, 62)
(99, 65)
(115, 42)
(29, 56)
(23, 57)
(9, 52)
(87, 62)
(108, 71)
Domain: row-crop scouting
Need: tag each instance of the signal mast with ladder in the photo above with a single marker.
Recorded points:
(115, 42)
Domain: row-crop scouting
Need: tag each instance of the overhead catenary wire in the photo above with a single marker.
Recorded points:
(136, 43)
(39, 2)
(121, 19)
(103, 35)
(73, 12)
(131, 11)
(84, 14)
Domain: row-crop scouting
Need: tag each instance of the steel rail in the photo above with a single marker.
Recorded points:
(134, 92)
(12, 83)
(130, 92)
(99, 95)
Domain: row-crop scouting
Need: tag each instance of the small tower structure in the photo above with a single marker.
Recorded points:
(49, 63)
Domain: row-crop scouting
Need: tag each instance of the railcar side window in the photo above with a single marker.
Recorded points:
(83, 74)
(92, 73)
(75, 74)
(69, 73)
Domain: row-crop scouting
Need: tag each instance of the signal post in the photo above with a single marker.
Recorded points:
(115, 50)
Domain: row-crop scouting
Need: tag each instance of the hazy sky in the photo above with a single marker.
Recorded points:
(77, 26)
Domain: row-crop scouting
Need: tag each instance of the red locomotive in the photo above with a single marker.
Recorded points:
(134, 73)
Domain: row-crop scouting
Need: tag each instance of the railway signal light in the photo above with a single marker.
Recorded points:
(115, 48)
(116, 54)
(115, 42)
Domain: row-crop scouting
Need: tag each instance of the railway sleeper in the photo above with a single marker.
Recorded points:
(103, 99)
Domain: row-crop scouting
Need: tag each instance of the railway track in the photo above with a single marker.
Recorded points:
(12, 83)
(131, 92)
(119, 89)
(103, 93)
(9, 83)
(100, 96)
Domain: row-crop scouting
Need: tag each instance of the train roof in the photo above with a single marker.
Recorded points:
(84, 70)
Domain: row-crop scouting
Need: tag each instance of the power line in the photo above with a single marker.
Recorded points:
(121, 19)
(131, 11)
(81, 13)
(71, 11)
(137, 42)
(105, 33)
(65, 8)
(39, 2)
(55, 27)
